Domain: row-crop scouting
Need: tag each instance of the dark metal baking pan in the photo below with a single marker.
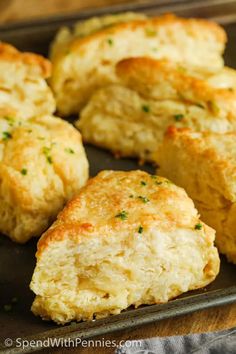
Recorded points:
(17, 261)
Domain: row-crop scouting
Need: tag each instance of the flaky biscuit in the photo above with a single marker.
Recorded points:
(205, 165)
(42, 165)
(128, 238)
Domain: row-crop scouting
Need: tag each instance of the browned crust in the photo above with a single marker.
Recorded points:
(11, 54)
(67, 223)
(196, 147)
(155, 23)
(145, 71)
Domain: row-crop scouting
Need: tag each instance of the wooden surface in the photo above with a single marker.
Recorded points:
(202, 321)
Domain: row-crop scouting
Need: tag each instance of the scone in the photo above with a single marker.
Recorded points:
(128, 238)
(42, 165)
(130, 118)
(22, 82)
(84, 60)
(205, 165)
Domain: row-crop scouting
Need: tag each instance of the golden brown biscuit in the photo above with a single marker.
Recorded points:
(130, 118)
(128, 238)
(84, 61)
(205, 165)
(22, 82)
(42, 165)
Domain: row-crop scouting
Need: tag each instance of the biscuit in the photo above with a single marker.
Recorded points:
(130, 118)
(23, 83)
(128, 238)
(85, 60)
(205, 165)
(42, 165)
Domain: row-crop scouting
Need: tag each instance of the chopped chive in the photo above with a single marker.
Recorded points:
(140, 229)
(110, 41)
(178, 117)
(6, 135)
(131, 196)
(24, 171)
(199, 105)
(123, 215)
(144, 199)
(143, 183)
(158, 183)
(49, 159)
(198, 226)
(46, 151)
(10, 120)
(69, 150)
(145, 108)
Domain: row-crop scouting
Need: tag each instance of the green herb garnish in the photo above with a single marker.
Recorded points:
(110, 41)
(178, 117)
(145, 108)
(6, 135)
(10, 120)
(24, 171)
(198, 226)
(143, 183)
(144, 199)
(123, 215)
(131, 196)
(69, 150)
(199, 105)
(140, 230)
(49, 159)
(46, 151)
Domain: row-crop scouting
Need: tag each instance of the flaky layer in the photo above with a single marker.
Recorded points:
(128, 238)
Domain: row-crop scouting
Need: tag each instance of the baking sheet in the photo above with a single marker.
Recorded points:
(17, 261)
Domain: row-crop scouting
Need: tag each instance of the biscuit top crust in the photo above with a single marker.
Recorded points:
(122, 202)
(40, 65)
(197, 28)
(212, 151)
(174, 82)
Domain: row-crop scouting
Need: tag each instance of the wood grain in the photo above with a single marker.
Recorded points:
(208, 320)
